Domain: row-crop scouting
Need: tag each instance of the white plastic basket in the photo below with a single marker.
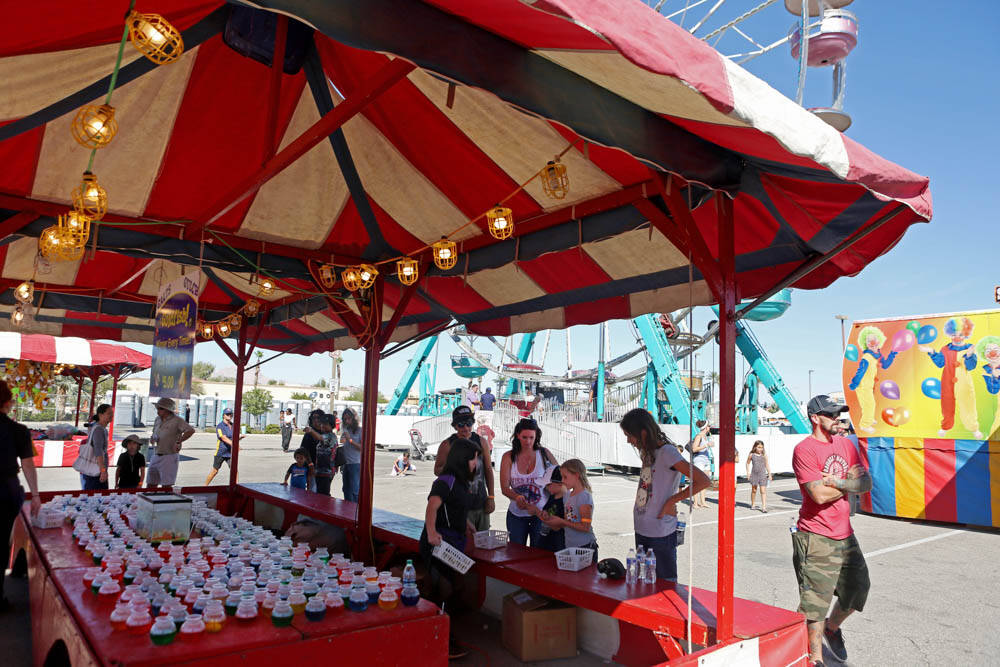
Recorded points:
(574, 558)
(491, 539)
(452, 557)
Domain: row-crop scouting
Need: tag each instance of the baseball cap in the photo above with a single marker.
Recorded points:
(825, 405)
(462, 413)
(227, 411)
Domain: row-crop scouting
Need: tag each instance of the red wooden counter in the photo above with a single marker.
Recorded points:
(69, 623)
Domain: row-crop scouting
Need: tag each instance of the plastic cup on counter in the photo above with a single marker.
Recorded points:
(409, 596)
(358, 601)
(388, 599)
(193, 626)
(334, 603)
(373, 591)
(315, 609)
(163, 631)
(214, 617)
(139, 622)
(282, 614)
(118, 616)
(298, 602)
(246, 610)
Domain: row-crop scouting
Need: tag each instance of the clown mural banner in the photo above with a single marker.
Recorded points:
(924, 395)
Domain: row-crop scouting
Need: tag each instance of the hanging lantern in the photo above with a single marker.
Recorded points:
(90, 199)
(352, 278)
(95, 126)
(18, 316)
(55, 245)
(206, 330)
(500, 222)
(366, 275)
(154, 37)
(251, 308)
(75, 226)
(327, 275)
(445, 253)
(555, 182)
(407, 271)
(265, 284)
(223, 328)
(235, 322)
(25, 292)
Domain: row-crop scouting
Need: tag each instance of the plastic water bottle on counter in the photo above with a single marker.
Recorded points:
(650, 566)
(681, 525)
(640, 565)
(409, 573)
(630, 567)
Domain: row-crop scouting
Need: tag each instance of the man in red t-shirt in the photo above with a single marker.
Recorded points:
(826, 555)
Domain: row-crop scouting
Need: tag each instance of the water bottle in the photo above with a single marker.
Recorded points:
(409, 573)
(681, 525)
(793, 524)
(640, 563)
(650, 567)
(630, 567)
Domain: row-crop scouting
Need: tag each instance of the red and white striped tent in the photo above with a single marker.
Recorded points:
(449, 106)
(91, 355)
(385, 124)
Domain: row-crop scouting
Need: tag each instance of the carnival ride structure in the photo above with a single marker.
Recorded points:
(348, 190)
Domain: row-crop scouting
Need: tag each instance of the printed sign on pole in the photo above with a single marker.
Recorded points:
(173, 341)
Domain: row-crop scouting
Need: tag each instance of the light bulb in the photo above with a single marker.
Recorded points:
(444, 253)
(500, 223)
(407, 270)
(17, 317)
(154, 35)
(25, 291)
(365, 276)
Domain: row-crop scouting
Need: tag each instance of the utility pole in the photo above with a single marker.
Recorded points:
(335, 356)
(843, 335)
(811, 371)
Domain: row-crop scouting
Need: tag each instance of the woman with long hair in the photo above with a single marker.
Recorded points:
(446, 520)
(523, 479)
(759, 474)
(655, 511)
(97, 440)
(350, 440)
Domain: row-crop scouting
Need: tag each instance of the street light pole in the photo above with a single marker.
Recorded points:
(843, 336)
(811, 371)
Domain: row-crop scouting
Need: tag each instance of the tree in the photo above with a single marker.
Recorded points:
(256, 370)
(359, 396)
(257, 401)
(197, 387)
(300, 396)
(272, 382)
(202, 369)
(320, 383)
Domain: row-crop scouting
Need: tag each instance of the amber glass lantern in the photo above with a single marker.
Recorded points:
(555, 182)
(206, 330)
(154, 37)
(223, 328)
(327, 275)
(57, 246)
(95, 126)
(265, 285)
(18, 316)
(445, 253)
(25, 292)
(407, 270)
(235, 322)
(90, 199)
(75, 227)
(251, 308)
(367, 274)
(500, 222)
(352, 278)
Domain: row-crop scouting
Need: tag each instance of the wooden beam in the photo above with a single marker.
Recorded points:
(16, 223)
(381, 81)
(228, 350)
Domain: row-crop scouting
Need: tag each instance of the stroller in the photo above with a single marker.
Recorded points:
(417, 446)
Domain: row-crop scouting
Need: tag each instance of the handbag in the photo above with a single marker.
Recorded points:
(87, 462)
(340, 457)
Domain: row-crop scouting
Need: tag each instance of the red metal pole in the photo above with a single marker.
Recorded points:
(238, 403)
(93, 393)
(114, 401)
(79, 395)
(727, 417)
(369, 410)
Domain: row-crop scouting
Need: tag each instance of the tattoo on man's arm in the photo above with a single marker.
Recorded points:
(861, 484)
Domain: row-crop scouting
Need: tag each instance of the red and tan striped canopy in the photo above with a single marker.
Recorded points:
(72, 351)
(411, 119)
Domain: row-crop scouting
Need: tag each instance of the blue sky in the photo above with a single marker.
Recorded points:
(921, 90)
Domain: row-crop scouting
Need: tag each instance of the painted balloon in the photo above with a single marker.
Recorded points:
(851, 352)
(903, 340)
(913, 326)
(927, 334)
(931, 388)
(896, 416)
(889, 389)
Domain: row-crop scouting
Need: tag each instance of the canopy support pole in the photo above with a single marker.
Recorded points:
(369, 413)
(115, 373)
(79, 395)
(93, 392)
(727, 417)
(242, 355)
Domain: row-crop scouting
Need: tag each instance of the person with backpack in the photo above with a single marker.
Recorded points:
(526, 477)
(446, 519)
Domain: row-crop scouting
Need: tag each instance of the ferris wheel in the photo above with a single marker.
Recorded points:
(823, 34)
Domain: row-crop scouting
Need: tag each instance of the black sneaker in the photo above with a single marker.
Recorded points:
(835, 642)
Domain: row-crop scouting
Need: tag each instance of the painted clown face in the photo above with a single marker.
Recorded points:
(992, 354)
(872, 343)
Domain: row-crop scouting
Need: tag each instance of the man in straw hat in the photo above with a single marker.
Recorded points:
(169, 431)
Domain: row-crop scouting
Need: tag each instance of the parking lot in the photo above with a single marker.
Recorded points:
(933, 598)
